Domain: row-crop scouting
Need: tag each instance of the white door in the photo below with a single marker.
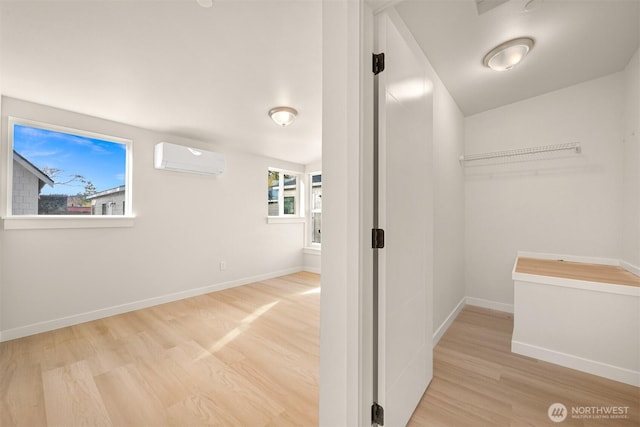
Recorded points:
(405, 209)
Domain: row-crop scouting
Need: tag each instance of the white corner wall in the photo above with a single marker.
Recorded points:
(569, 206)
(449, 208)
(631, 183)
(185, 225)
(2, 131)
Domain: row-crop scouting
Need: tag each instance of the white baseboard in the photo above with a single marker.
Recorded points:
(49, 325)
(311, 269)
(448, 321)
(615, 373)
(493, 305)
(630, 267)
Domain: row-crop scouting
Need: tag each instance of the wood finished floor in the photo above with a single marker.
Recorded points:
(478, 382)
(248, 356)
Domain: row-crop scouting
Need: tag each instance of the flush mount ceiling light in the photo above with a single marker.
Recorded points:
(205, 3)
(507, 55)
(283, 116)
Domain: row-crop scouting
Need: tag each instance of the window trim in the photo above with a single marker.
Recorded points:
(299, 206)
(289, 219)
(312, 250)
(42, 222)
(309, 238)
(15, 222)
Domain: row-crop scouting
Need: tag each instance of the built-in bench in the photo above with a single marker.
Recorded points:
(582, 313)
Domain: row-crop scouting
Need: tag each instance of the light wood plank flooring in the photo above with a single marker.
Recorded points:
(479, 382)
(246, 356)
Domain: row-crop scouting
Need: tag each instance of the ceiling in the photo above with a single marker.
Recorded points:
(212, 74)
(575, 41)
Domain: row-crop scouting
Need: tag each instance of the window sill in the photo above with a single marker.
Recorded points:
(284, 219)
(34, 222)
(312, 250)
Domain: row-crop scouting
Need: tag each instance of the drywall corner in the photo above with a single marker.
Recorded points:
(631, 180)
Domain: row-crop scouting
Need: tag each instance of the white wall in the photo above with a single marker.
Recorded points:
(312, 260)
(313, 167)
(449, 205)
(185, 225)
(567, 206)
(2, 178)
(631, 188)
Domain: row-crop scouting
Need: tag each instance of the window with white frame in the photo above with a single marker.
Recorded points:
(283, 193)
(316, 208)
(63, 171)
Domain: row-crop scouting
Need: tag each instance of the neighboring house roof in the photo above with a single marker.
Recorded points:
(32, 168)
(108, 192)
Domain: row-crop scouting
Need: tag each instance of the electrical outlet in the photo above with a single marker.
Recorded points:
(223, 265)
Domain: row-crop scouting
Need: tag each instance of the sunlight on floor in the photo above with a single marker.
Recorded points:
(311, 291)
(244, 325)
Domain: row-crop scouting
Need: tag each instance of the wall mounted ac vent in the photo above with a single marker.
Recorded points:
(186, 159)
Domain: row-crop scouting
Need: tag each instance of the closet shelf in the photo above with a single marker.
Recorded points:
(522, 153)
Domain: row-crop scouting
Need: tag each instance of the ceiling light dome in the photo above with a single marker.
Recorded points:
(283, 116)
(205, 3)
(507, 55)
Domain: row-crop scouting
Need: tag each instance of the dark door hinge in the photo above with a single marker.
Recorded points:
(378, 63)
(377, 238)
(377, 414)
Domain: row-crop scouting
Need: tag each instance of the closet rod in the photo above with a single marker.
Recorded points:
(570, 146)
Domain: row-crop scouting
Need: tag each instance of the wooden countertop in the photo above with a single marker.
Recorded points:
(578, 271)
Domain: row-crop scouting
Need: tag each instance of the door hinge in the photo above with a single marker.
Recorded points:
(377, 238)
(378, 63)
(377, 414)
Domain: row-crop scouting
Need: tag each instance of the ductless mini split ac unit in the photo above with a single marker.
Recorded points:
(186, 159)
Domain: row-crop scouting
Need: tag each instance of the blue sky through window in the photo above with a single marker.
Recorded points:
(101, 162)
